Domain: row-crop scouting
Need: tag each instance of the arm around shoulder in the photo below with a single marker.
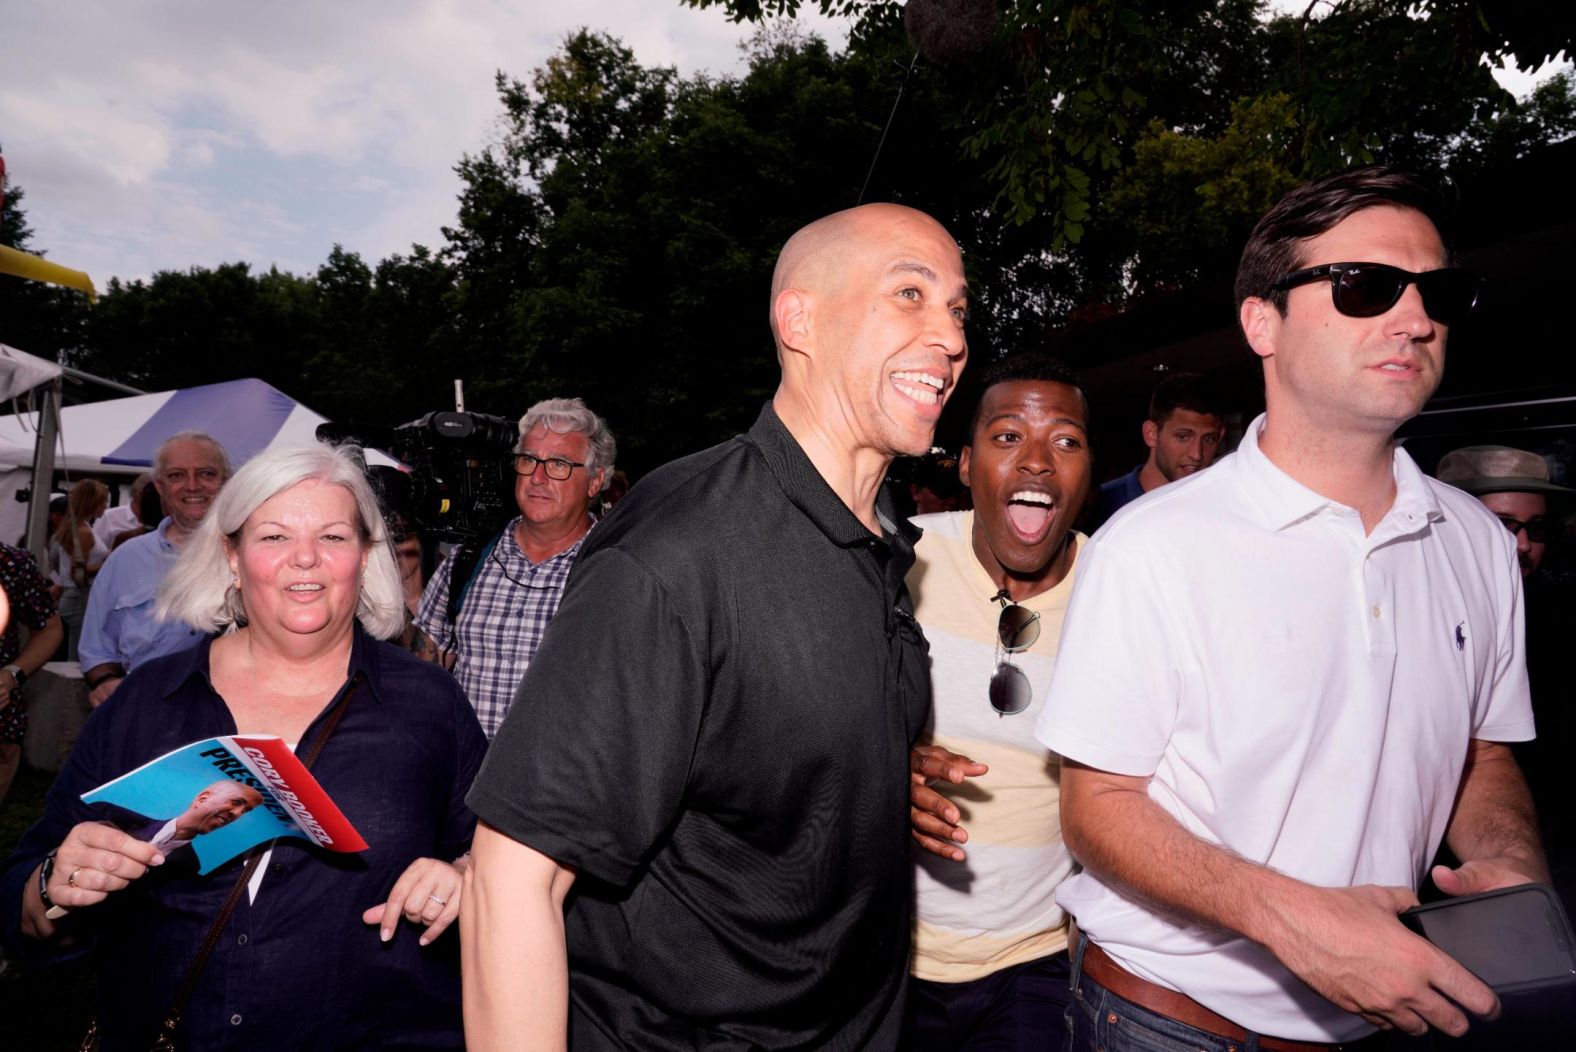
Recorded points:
(512, 935)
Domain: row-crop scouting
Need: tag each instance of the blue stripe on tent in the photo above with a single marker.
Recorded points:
(243, 415)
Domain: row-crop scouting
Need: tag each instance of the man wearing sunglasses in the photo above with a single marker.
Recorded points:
(511, 592)
(712, 745)
(990, 588)
(1265, 741)
(1515, 485)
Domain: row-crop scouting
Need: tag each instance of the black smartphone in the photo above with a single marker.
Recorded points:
(1514, 939)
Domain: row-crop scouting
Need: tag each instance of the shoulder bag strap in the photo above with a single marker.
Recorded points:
(462, 573)
(172, 1021)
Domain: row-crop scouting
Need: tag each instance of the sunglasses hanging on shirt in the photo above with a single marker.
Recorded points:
(1017, 629)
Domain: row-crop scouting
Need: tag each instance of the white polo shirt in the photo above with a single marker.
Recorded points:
(1299, 692)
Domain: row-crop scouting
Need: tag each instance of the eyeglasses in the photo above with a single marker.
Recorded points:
(557, 468)
(1367, 290)
(1537, 529)
(1017, 629)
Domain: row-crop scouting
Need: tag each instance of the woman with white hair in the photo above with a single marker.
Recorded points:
(293, 572)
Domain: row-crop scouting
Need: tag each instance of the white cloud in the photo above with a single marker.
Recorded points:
(179, 133)
(199, 154)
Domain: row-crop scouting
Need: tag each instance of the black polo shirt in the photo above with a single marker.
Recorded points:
(715, 733)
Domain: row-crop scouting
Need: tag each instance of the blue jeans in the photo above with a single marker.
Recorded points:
(1099, 1020)
(71, 608)
(1018, 1009)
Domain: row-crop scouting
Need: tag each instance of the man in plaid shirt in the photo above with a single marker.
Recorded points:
(565, 458)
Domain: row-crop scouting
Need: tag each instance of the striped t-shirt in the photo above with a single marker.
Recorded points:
(997, 908)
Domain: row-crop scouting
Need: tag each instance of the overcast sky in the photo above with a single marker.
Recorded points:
(154, 134)
(151, 134)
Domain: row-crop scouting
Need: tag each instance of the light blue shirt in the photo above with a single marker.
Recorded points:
(119, 626)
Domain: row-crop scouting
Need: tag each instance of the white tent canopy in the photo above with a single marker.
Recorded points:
(21, 372)
(120, 436)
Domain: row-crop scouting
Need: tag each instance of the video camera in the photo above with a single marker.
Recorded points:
(460, 486)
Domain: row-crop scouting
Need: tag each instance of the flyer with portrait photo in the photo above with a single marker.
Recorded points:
(207, 802)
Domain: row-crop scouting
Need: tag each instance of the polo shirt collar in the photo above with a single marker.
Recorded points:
(1282, 501)
(163, 533)
(193, 661)
(803, 485)
(1415, 504)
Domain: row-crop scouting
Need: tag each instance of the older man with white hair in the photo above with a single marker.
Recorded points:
(119, 630)
(509, 596)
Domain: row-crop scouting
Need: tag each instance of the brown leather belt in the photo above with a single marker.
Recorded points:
(1098, 965)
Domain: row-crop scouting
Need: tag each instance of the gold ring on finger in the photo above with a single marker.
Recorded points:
(71, 881)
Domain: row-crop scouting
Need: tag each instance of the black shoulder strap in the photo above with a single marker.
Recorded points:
(172, 1020)
(462, 572)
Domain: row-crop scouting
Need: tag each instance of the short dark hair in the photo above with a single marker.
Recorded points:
(1031, 366)
(1275, 246)
(1194, 392)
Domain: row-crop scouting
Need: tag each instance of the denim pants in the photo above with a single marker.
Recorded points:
(1099, 1020)
(71, 608)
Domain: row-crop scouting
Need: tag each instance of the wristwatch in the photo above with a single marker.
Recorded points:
(17, 674)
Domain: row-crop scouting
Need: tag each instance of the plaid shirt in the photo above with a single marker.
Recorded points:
(507, 609)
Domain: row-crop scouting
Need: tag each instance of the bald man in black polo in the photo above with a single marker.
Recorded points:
(715, 750)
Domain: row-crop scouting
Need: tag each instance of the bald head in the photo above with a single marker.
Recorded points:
(818, 255)
(218, 805)
(868, 310)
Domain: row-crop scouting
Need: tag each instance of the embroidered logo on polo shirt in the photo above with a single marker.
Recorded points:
(1461, 636)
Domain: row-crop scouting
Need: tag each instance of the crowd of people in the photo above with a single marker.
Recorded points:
(751, 760)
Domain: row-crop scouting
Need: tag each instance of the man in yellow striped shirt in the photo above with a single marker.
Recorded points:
(990, 587)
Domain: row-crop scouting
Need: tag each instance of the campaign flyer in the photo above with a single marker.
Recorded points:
(209, 801)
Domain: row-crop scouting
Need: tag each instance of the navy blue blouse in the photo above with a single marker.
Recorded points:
(297, 968)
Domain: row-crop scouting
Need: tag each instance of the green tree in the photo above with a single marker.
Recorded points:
(618, 242)
(1547, 114)
(1187, 202)
(182, 328)
(380, 339)
(352, 341)
(1065, 89)
(43, 320)
(617, 239)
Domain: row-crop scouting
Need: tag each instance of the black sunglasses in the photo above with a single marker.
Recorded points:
(1017, 629)
(1367, 290)
(1537, 529)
